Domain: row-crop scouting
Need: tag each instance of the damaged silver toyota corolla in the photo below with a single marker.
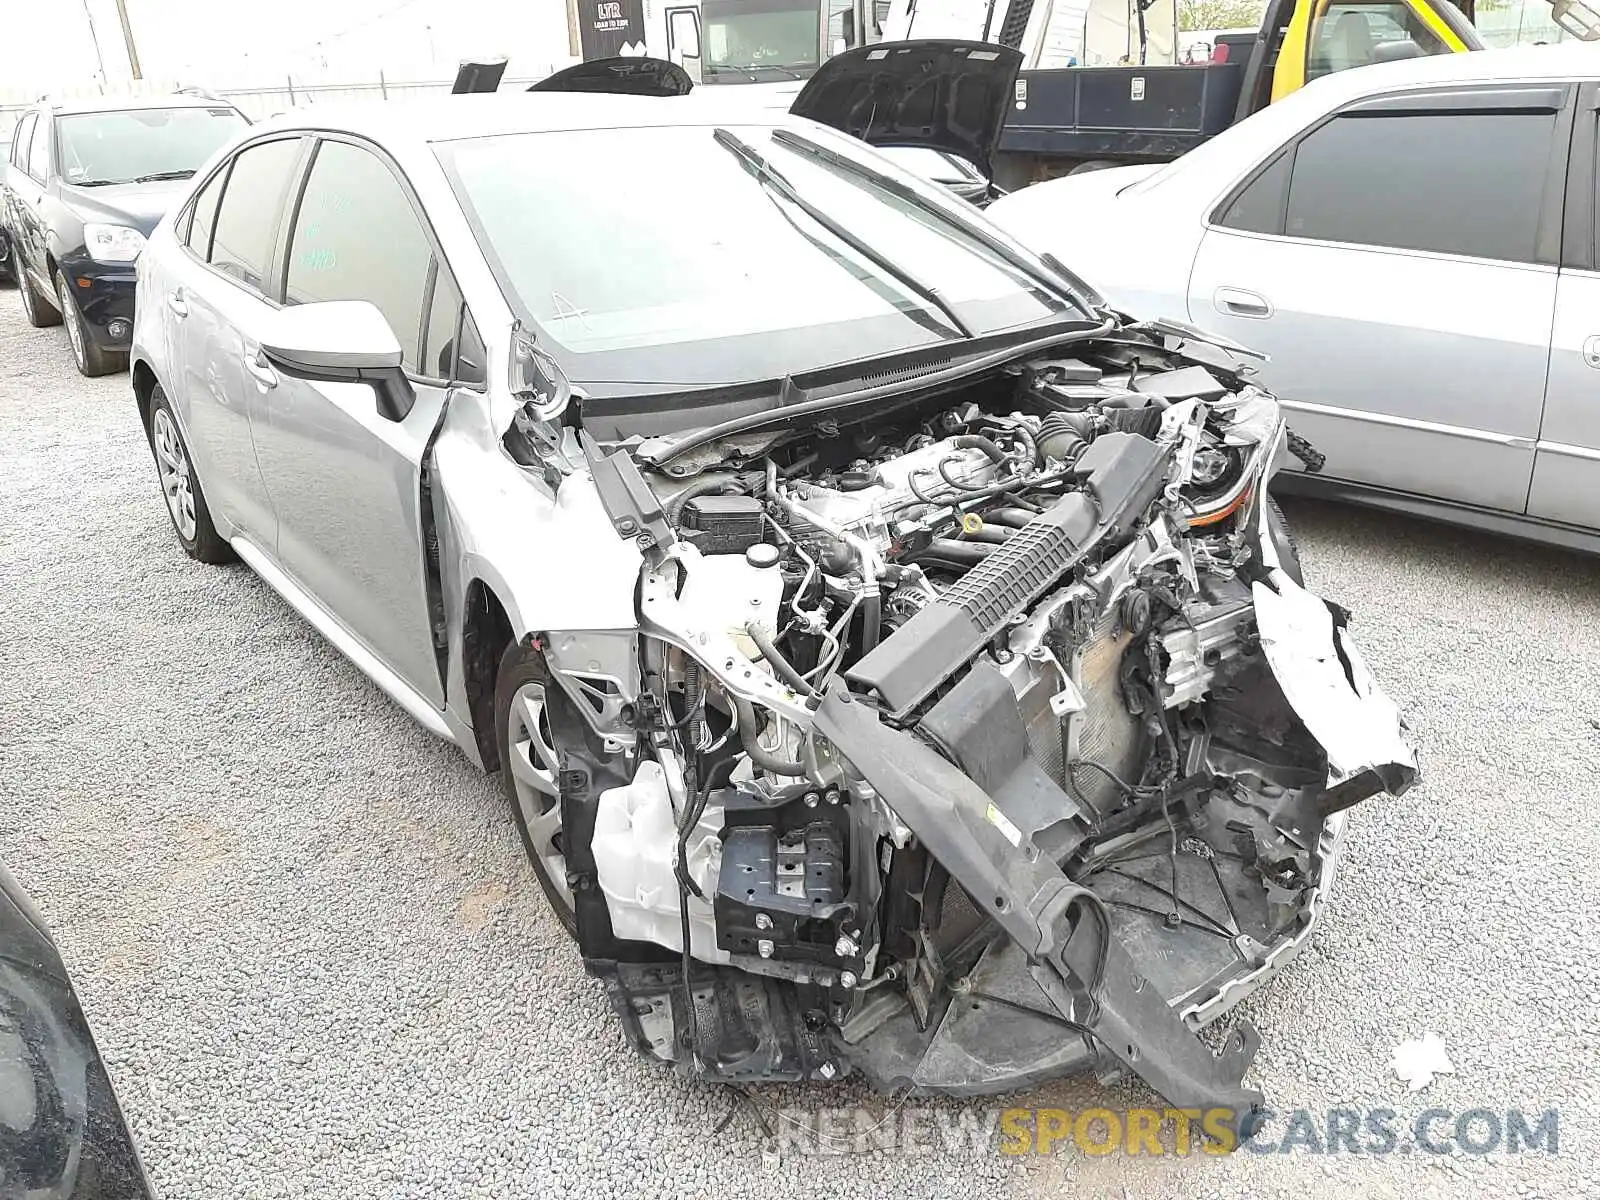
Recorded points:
(893, 655)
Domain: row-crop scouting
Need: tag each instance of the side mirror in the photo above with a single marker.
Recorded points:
(340, 341)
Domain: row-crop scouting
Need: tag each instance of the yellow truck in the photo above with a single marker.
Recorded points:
(1151, 108)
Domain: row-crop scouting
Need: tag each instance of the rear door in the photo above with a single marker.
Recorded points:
(1398, 263)
(15, 167)
(216, 291)
(1566, 463)
(345, 480)
(28, 201)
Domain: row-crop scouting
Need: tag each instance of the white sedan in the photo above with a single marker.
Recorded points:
(1413, 246)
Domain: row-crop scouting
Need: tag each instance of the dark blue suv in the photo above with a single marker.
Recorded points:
(85, 184)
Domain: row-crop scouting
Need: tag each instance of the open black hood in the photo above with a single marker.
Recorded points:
(633, 76)
(939, 94)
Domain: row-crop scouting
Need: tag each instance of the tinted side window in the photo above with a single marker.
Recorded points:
(203, 216)
(22, 138)
(247, 221)
(1456, 182)
(39, 152)
(1259, 207)
(356, 237)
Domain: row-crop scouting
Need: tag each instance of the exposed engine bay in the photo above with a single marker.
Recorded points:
(969, 738)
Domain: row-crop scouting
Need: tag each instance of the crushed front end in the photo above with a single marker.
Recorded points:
(969, 739)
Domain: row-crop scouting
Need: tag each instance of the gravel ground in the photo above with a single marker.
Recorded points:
(318, 965)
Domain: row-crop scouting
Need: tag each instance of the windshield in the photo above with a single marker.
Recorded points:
(137, 144)
(657, 255)
(742, 36)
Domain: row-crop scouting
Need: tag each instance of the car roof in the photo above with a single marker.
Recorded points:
(452, 118)
(98, 104)
(1567, 60)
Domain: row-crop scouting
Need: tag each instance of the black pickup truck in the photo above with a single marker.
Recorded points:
(1083, 118)
(1062, 120)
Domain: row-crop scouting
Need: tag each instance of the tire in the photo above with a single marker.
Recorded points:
(180, 489)
(90, 359)
(529, 772)
(39, 311)
(1283, 542)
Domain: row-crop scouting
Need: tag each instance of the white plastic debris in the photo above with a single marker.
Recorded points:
(1417, 1062)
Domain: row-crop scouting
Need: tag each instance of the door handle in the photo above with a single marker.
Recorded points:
(1238, 302)
(261, 369)
(178, 304)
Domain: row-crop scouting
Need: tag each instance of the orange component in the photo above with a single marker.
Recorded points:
(1222, 514)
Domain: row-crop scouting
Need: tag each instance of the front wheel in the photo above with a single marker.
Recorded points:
(186, 503)
(90, 359)
(529, 771)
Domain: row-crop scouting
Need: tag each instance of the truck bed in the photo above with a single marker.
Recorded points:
(1125, 114)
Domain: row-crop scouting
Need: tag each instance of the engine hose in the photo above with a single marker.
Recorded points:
(1144, 421)
(989, 534)
(704, 488)
(967, 553)
(1010, 516)
(871, 620)
(976, 441)
(759, 754)
(780, 665)
(1032, 457)
(1062, 433)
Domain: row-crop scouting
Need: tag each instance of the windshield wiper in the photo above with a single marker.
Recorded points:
(730, 69)
(1078, 291)
(773, 178)
(750, 69)
(157, 176)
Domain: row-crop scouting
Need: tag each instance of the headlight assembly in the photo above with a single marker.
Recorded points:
(112, 243)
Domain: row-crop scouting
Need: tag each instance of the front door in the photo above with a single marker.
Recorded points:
(345, 481)
(230, 234)
(1398, 265)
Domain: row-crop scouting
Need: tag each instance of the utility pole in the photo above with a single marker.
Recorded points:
(95, 38)
(127, 38)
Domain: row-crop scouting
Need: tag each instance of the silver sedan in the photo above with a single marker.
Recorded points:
(891, 653)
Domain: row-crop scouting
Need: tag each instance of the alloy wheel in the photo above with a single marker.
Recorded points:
(533, 763)
(172, 464)
(73, 321)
